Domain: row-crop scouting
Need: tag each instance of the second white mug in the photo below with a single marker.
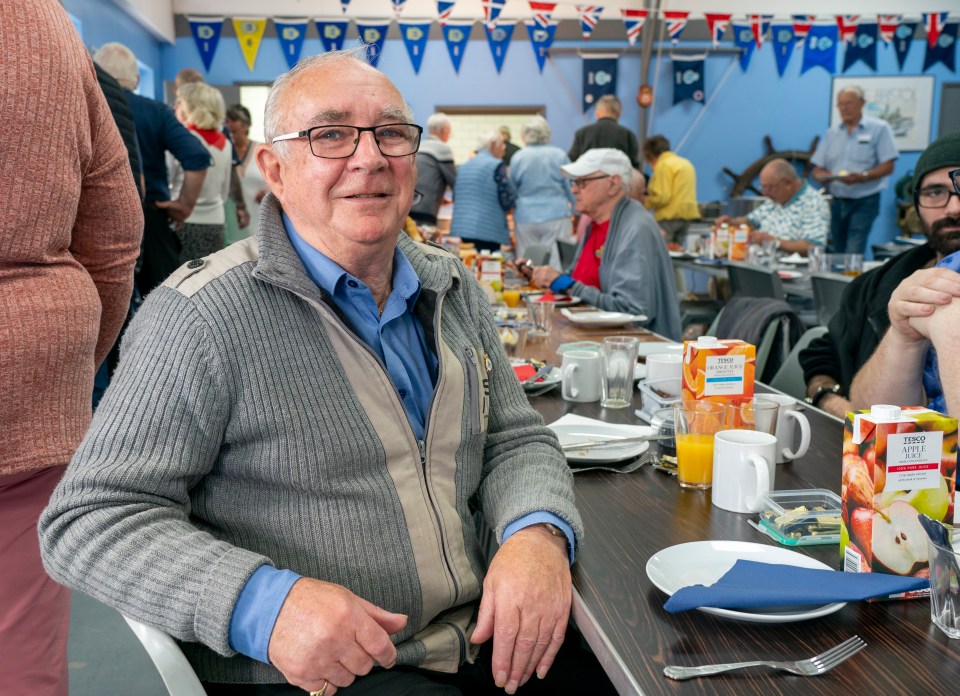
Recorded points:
(788, 418)
(580, 375)
(744, 466)
(664, 365)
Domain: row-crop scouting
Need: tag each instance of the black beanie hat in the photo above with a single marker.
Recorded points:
(943, 152)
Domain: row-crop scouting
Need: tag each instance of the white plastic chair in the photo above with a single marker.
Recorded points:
(177, 673)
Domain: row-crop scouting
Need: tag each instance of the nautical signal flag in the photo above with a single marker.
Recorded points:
(743, 39)
(499, 40)
(863, 47)
(783, 38)
(759, 23)
(688, 79)
(290, 33)
(934, 22)
(444, 10)
(373, 34)
(249, 35)
(820, 48)
(847, 25)
(801, 26)
(415, 34)
(491, 11)
(542, 12)
(457, 34)
(903, 40)
(332, 32)
(206, 34)
(676, 21)
(888, 24)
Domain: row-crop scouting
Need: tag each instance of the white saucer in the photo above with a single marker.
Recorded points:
(601, 318)
(568, 434)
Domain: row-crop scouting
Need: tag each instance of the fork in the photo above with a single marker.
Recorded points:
(808, 668)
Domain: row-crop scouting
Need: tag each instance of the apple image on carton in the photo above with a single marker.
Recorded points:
(899, 541)
(932, 502)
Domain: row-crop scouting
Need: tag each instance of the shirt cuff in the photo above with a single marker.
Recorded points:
(257, 609)
(561, 283)
(542, 517)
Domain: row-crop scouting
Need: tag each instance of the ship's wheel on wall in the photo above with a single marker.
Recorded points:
(744, 182)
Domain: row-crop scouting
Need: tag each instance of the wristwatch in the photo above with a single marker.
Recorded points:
(821, 392)
(865, 174)
(554, 530)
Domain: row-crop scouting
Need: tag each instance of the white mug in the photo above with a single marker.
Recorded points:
(786, 429)
(580, 375)
(664, 365)
(744, 465)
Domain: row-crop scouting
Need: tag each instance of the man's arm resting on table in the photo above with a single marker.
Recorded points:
(823, 392)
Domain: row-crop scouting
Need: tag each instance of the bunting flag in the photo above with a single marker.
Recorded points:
(332, 32)
(759, 23)
(888, 24)
(249, 35)
(634, 19)
(716, 25)
(743, 39)
(398, 6)
(933, 22)
(541, 38)
(457, 34)
(542, 12)
(491, 11)
(291, 32)
(944, 50)
(801, 27)
(444, 10)
(373, 35)
(676, 21)
(415, 34)
(688, 79)
(847, 24)
(820, 48)
(206, 34)
(344, 4)
(783, 38)
(599, 78)
(903, 40)
(863, 47)
(498, 39)
(589, 16)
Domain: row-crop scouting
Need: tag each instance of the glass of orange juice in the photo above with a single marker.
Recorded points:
(512, 297)
(696, 423)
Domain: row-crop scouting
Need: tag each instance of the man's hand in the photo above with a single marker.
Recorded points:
(177, 210)
(544, 275)
(919, 296)
(525, 605)
(325, 633)
(243, 218)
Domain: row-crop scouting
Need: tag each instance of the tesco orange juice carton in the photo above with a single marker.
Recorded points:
(897, 463)
(720, 241)
(739, 243)
(717, 369)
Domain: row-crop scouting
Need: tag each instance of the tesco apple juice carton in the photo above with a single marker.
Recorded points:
(717, 370)
(720, 241)
(897, 463)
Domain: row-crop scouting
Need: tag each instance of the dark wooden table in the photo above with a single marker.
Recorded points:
(629, 517)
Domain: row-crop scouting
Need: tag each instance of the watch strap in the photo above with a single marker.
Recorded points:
(820, 393)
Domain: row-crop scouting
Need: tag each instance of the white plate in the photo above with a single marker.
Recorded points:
(648, 348)
(579, 433)
(705, 562)
(599, 318)
(795, 258)
(789, 275)
(680, 254)
(568, 302)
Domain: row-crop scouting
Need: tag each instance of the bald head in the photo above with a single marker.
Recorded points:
(779, 181)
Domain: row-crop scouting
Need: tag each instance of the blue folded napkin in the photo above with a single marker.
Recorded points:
(750, 584)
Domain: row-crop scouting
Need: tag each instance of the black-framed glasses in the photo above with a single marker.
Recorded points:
(581, 181)
(954, 175)
(340, 141)
(938, 196)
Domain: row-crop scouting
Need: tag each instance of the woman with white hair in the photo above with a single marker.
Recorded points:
(201, 109)
(482, 196)
(544, 201)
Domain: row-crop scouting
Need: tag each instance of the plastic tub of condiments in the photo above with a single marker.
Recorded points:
(801, 517)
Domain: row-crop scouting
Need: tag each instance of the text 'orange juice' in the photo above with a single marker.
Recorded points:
(717, 369)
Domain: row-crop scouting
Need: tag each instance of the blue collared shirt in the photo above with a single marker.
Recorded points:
(871, 143)
(931, 367)
(398, 340)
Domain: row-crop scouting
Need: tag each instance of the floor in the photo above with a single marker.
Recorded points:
(105, 657)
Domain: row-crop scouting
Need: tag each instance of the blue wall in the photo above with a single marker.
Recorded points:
(792, 109)
(103, 22)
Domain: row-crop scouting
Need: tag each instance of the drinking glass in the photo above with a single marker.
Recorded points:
(752, 413)
(945, 584)
(541, 314)
(815, 258)
(696, 422)
(852, 264)
(618, 361)
(513, 336)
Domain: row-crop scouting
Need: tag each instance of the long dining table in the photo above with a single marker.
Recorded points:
(630, 517)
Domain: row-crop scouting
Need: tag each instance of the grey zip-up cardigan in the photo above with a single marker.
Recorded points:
(247, 424)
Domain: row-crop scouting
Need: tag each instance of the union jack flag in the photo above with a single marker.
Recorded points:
(887, 26)
(717, 24)
(676, 21)
(542, 12)
(634, 20)
(589, 16)
(933, 22)
(491, 11)
(444, 10)
(801, 26)
(759, 23)
(848, 26)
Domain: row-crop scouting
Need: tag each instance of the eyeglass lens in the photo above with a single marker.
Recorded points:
(583, 181)
(393, 139)
(935, 196)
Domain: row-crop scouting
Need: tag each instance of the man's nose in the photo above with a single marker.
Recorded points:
(367, 150)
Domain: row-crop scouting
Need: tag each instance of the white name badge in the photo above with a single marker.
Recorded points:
(863, 138)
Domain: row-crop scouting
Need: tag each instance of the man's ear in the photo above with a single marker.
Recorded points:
(271, 168)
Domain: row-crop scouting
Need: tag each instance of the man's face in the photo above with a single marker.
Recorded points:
(777, 189)
(498, 149)
(342, 206)
(941, 225)
(850, 107)
(593, 191)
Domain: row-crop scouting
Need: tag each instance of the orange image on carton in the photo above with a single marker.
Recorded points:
(717, 370)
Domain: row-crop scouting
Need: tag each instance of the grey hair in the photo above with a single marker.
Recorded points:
(437, 123)
(851, 89)
(536, 131)
(202, 105)
(489, 139)
(120, 63)
(273, 114)
(609, 103)
(782, 169)
(638, 184)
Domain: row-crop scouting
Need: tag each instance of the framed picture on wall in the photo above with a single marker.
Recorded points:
(906, 103)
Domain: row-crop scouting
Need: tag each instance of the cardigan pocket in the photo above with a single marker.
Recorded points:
(478, 390)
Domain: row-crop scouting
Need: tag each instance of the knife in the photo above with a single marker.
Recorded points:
(542, 372)
(591, 444)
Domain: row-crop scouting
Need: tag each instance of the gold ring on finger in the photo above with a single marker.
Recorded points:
(322, 690)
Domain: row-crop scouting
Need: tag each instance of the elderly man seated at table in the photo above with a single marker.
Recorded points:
(883, 323)
(621, 264)
(796, 215)
(285, 471)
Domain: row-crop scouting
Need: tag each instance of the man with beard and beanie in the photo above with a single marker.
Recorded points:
(877, 343)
